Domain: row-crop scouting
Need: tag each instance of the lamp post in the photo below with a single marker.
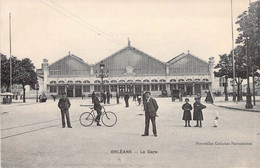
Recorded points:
(225, 88)
(37, 89)
(102, 74)
(248, 94)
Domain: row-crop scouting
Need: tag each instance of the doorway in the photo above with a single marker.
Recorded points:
(70, 91)
(78, 91)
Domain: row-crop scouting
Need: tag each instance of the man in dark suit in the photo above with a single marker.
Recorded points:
(126, 98)
(151, 108)
(64, 105)
(97, 107)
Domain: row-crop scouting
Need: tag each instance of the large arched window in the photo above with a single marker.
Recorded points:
(162, 81)
(154, 81)
(61, 82)
(53, 82)
(121, 81)
(106, 81)
(78, 82)
(172, 80)
(97, 81)
(86, 81)
(146, 81)
(113, 81)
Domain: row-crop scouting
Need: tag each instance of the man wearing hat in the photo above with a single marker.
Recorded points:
(98, 108)
(64, 105)
(151, 108)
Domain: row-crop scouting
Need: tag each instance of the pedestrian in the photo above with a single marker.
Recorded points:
(197, 113)
(126, 98)
(54, 97)
(93, 96)
(151, 108)
(64, 105)
(209, 98)
(134, 97)
(117, 98)
(144, 100)
(216, 122)
(139, 99)
(104, 97)
(97, 107)
(186, 114)
(108, 97)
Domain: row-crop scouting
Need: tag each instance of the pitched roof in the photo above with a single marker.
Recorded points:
(182, 55)
(70, 55)
(129, 47)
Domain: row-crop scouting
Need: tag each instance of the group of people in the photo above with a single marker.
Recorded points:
(197, 113)
(150, 108)
(150, 105)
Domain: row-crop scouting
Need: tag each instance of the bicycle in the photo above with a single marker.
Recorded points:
(108, 118)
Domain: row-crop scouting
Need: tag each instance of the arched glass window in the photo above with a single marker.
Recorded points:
(162, 81)
(129, 81)
(61, 82)
(106, 81)
(197, 80)
(70, 82)
(181, 80)
(53, 82)
(97, 81)
(146, 81)
(205, 80)
(121, 81)
(172, 80)
(189, 80)
(78, 81)
(138, 81)
(86, 81)
(113, 81)
(154, 81)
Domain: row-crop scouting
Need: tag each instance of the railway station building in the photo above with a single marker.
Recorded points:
(129, 70)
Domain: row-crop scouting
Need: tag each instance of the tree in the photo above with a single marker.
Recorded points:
(225, 68)
(249, 32)
(5, 71)
(25, 74)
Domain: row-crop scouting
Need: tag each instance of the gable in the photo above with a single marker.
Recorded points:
(130, 61)
(71, 66)
(188, 65)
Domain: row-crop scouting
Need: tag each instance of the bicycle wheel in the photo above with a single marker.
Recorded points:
(86, 119)
(109, 119)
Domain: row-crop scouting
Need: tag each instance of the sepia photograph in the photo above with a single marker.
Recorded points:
(130, 83)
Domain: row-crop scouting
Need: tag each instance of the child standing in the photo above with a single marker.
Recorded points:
(197, 114)
(64, 105)
(186, 114)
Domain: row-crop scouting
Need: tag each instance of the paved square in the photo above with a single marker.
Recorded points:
(32, 136)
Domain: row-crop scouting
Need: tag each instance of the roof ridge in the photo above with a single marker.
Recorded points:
(70, 55)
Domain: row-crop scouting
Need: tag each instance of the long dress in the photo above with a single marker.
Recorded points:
(186, 114)
(197, 113)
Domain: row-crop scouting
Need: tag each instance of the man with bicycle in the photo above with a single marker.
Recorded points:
(97, 107)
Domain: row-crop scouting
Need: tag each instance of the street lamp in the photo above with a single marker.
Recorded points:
(248, 94)
(102, 73)
(37, 88)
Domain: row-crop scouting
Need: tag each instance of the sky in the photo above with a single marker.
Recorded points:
(95, 29)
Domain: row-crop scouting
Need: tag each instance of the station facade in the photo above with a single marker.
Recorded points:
(130, 70)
